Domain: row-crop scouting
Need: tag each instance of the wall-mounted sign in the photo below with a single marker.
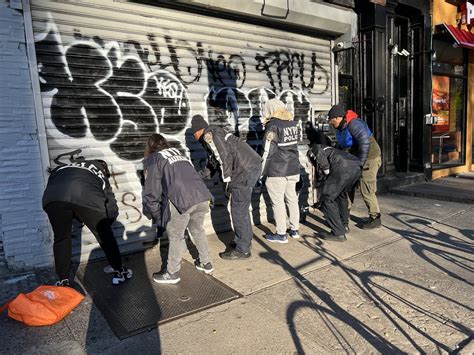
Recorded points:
(467, 13)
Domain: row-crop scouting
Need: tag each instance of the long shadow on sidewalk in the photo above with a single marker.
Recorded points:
(427, 239)
(368, 286)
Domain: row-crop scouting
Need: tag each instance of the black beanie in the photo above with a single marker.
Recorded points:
(336, 111)
(197, 123)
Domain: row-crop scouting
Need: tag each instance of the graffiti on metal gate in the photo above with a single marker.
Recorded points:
(119, 92)
(99, 87)
(123, 91)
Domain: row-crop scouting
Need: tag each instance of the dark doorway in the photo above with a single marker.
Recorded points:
(401, 51)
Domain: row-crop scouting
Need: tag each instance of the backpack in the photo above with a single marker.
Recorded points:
(46, 305)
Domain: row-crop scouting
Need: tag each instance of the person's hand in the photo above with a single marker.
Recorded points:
(205, 174)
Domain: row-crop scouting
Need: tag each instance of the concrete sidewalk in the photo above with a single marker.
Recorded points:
(405, 287)
(452, 188)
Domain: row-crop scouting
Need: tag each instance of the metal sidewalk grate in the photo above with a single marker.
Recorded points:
(140, 304)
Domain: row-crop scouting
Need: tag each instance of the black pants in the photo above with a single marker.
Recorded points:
(334, 199)
(61, 215)
(240, 199)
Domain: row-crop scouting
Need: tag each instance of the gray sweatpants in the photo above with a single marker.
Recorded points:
(282, 191)
(193, 219)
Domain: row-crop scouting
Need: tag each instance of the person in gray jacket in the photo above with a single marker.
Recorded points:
(281, 167)
(172, 186)
(240, 167)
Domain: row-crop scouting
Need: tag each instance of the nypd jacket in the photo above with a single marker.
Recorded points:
(236, 159)
(336, 170)
(280, 155)
(355, 136)
(170, 176)
(331, 160)
(83, 184)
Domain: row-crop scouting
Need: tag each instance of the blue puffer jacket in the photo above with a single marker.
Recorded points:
(354, 135)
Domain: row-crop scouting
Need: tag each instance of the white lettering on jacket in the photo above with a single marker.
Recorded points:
(173, 155)
(290, 134)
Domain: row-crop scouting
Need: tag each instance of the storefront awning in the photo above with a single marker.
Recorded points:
(463, 38)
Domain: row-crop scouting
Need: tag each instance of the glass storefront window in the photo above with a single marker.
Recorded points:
(448, 104)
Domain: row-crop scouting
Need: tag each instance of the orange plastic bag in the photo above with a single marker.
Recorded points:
(46, 305)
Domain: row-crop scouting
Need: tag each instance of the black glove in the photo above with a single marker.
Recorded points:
(213, 166)
(205, 174)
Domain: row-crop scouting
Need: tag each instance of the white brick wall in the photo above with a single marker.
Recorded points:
(24, 226)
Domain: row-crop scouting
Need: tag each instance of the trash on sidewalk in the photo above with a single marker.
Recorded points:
(46, 305)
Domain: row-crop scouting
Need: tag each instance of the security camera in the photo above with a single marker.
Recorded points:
(340, 45)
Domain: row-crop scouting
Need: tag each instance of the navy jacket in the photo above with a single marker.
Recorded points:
(170, 176)
(280, 155)
(356, 137)
(83, 184)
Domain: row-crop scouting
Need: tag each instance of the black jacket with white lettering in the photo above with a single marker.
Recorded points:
(83, 184)
(280, 155)
(170, 176)
(235, 157)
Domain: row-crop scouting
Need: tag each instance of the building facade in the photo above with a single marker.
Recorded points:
(452, 82)
(102, 75)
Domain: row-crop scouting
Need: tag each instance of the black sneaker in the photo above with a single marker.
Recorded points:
(234, 255)
(63, 282)
(207, 268)
(373, 222)
(121, 275)
(332, 237)
(166, 278)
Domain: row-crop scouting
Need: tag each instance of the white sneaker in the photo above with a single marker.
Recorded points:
(121, 275)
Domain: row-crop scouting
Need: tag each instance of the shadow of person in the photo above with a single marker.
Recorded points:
(220, 215)
(326, 304)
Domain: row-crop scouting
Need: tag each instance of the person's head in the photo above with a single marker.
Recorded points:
(336, 115)
(155, 143)
(198, 126)
(316, 137)
(275, 108)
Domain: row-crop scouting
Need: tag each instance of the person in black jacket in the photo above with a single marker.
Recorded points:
(281, 166)
(240, 167)
(173, 186)
(341, 172)
(82, 190)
